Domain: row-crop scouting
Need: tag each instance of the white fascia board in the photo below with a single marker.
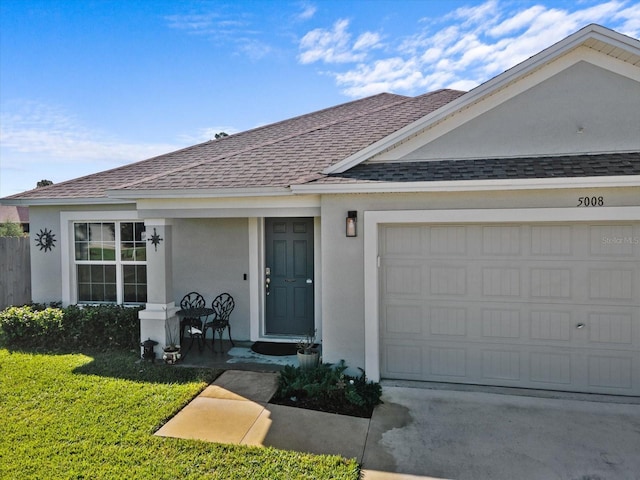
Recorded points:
(472, 185)
(200, 193)
(489, 88)
(56, 202)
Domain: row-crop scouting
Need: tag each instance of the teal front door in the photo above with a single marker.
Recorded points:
(289, 276)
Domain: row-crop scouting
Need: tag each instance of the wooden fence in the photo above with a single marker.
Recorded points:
(15, 271)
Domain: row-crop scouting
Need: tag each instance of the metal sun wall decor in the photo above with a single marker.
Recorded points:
(155, 239)
(45, 240)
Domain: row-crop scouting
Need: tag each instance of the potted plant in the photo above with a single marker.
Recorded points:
(308, 354)
(171, 353)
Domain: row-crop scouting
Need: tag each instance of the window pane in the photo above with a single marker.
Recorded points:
(97, 292)
(84, 292)
(82, 252)
(140, 229)
(84, 273)
(142, 293)
(97, 274)
(110, 274)
(80, 232)
(129, 295)
(109, 251)
(142, 274)
(95, 232)
(110, 293)
(135, 286)
(127, 251)
(129, 274)
(126, 232)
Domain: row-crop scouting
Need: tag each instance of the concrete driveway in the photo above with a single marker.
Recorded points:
(478, 435)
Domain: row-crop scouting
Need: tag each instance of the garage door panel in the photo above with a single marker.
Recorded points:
(404, 319)
(539, 306)
(447, 361)
(613, 283)
(551, 325)
(404, 361)
(501, 240)
(500, 323)
(550, 367)
(609, 328)
(613, 240)
(448, 321)
(552, 241)
(610, 371)
(403, 280)
(501, 365)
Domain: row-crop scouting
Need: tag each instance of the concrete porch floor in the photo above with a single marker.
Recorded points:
(238, 357)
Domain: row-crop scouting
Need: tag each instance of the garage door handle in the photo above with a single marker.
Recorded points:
(580, 325)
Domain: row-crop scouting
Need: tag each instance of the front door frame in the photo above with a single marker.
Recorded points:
(257, 285)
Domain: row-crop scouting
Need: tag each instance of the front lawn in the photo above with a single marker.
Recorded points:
(80, 416)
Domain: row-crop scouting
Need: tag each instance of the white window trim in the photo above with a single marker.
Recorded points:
(67, 267)
(373, 220)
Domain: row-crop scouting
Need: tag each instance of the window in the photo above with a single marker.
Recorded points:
(110, 262)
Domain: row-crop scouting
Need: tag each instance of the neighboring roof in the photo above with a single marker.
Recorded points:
(277, 155)
(11, 213)
(611, 164)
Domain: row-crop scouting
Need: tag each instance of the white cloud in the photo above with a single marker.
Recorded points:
(335, 46)
(193, 22)
(308, 11)
(46, 131)
(461, 50)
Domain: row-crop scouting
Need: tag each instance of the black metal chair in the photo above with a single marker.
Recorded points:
(192, 324)
(222, 306)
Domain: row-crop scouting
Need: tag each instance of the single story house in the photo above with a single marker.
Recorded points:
(485, 237)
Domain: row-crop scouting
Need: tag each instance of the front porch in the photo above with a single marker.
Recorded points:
(238, 357)
(214, 256)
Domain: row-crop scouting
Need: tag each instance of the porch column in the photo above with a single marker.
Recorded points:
(158, 320)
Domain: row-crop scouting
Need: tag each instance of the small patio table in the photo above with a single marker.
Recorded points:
(199, 312)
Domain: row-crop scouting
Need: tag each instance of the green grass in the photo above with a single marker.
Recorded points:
(79, 417)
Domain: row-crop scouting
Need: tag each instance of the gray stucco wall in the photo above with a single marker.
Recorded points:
(211, 256)
(45, 266)
(343, 258)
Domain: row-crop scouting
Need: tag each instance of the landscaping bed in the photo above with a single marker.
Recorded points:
(328, 389)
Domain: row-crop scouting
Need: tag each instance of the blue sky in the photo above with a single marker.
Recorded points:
(88, 85)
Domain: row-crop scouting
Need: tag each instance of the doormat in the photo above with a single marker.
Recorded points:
(274, 348)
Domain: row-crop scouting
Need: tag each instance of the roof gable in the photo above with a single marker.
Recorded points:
(594, 50)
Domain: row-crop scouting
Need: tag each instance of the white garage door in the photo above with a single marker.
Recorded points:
(543, 306)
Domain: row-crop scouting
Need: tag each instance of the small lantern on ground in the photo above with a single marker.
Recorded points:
(148, 353)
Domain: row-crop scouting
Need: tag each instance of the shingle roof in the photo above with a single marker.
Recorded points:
(607, 164)
(276, 155)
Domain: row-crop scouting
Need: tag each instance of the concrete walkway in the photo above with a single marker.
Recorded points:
(429, 433)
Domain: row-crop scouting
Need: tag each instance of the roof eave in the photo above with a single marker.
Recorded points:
(53, 202)
(199, 193)
(471, 185)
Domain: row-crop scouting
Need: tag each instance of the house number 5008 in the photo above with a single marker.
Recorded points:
(590, 202)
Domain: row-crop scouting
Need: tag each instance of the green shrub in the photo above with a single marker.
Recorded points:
(70, 328)
(11, 229)
(328, 388)
(30, 327)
